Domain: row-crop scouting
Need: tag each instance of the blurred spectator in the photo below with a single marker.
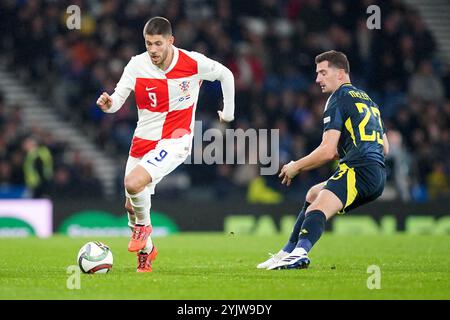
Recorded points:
(438, 183)
(37, 167)
(29, 157)
(63, 186)
(425, 85)
(400, 168)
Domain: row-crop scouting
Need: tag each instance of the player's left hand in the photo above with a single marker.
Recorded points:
(287, 173)
(222, 117)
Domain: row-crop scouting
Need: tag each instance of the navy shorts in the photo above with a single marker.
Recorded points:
(357, 186)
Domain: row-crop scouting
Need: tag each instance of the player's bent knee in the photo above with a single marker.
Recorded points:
(327, 202)
(134, 184)
(313, 192)
(137, 180)
(311, 195)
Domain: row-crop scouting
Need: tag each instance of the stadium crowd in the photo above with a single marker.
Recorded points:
(270, 46)
(33, 163)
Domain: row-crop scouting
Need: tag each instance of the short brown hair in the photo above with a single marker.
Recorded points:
(158, 25)
(335, 59)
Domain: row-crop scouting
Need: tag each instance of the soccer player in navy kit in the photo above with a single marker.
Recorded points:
(353, 133)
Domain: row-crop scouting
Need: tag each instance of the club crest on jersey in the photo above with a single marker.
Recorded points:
(184, 86)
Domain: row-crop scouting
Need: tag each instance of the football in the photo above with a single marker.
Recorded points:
(95, 257)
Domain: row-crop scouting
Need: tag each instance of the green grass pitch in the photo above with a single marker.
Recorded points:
(218, 266)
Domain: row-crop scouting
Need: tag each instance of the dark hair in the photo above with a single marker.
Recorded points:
(335, 59)
(158, 25)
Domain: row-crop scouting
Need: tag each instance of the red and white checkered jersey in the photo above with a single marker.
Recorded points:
(166, 100)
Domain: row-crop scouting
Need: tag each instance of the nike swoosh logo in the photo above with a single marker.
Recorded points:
(149, 89)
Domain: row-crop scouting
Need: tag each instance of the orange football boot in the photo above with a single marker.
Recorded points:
(145, 260)
(139, 237)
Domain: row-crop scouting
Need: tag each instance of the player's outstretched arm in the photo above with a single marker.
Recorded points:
(112, 103)
(226, 79)
(212, 70)
(104, 102)
(324, 153)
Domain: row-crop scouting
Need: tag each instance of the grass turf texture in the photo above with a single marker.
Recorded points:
(218, 266)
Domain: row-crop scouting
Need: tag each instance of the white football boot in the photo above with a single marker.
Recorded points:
(274, 258)
(297, 259)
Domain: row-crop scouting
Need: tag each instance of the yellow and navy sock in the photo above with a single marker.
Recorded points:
(312, 229)
(293, 239)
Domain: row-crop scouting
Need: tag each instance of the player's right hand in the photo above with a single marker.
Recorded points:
(104, 101)
(287, 173)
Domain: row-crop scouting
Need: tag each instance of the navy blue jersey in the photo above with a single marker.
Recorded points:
(352, 112)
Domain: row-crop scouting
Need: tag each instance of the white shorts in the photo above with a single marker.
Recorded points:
(159, 162)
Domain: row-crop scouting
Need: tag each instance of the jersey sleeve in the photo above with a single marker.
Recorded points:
(211, 70)
(208, 69)
(333, 118)
(124, 86)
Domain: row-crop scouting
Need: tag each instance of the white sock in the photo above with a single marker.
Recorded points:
(149, 246)
(299, 251)
(131, 220)
(141, 206)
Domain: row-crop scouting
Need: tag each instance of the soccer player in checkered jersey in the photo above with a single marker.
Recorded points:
(166, 81)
